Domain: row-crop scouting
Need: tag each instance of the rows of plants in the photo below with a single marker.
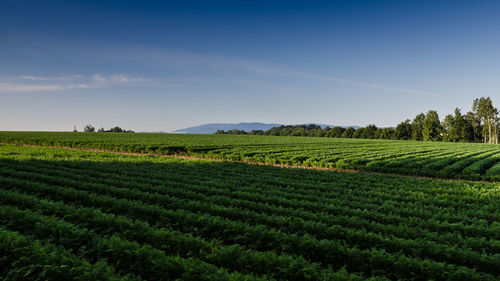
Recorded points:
(365, 240)
(471, 161)
(155, 218)
(295, 199)
(25, 258)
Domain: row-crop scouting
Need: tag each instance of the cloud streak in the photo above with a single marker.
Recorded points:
(116, 78)
(368, 85)
(22, 88)
(59, 78)
(270, 70)
(181, 63)
(193, 63)
(28, 83)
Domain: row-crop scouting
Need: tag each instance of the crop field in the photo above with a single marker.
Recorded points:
(86, 215)
(434, 159)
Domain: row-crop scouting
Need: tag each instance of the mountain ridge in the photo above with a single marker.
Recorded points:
(211, 128)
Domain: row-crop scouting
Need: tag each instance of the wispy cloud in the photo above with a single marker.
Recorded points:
(192, 63)
(19, 87)
(57, 78)
(183, 64)
(270, 70)
(367, 85)
(29, 83)
(116, 78)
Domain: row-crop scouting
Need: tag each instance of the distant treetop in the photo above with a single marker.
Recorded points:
(90, 129)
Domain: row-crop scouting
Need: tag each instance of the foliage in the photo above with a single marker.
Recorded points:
(484, 110)
(115, 129)
(432, 127)
(417, 126)
(89, 129)
(103, 216)
(392, 156)
(482, 124)
(403, 130)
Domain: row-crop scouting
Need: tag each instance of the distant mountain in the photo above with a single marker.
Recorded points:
(213, 127)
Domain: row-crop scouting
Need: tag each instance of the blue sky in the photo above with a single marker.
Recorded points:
(160, 66)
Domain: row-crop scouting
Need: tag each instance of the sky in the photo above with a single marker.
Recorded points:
(166, 65)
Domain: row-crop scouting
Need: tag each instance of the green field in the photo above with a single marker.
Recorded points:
(97, 215)
(435, 159)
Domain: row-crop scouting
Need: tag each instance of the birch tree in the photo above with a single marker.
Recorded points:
(488, 114)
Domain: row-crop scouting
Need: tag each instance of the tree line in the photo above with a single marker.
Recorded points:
(90, 129)
(480, 124)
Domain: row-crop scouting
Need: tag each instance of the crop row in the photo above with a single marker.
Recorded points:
(408, 204)
(445, 160)
(126, 256)
(220, 227)
(25, 258)
(313, 210)
(233, 257)
(121, 215)
(230, 208)
(311, 207)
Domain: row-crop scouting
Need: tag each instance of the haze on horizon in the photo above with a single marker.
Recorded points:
(164, 66)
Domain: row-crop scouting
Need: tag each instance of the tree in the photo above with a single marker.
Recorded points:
(255, 132)
(432, 127)
(448, 133)
(358, 133)
(480, 124)
(89, 129)
(116, 129)
(101, 130)
(324, 132)
(496, 126)
(403, 130)
(484, 110)
(369, 132)
(474, 124)
(468, 131)
(75, 130)
(417, 127)
(349, 132)
(388, 134)
(337, 132)
(236, 132)
(459, 129)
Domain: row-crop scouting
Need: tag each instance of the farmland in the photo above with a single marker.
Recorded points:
(249, 141)
(105, 216)
(442, 160)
